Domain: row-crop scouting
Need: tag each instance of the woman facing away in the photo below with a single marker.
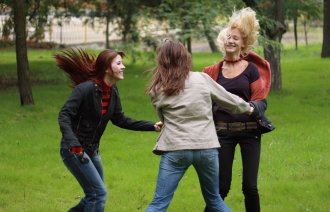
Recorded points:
(183, 100)
(239, 77)
(93, 103)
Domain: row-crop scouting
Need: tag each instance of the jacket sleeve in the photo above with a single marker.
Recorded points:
(212, 71)
(68, 112)
(257, 92)
(154, 101)
(122, 121)
(264, 75)
(259, 108)
(226, 99)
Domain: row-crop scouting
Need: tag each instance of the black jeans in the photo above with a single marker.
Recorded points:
(250, 146)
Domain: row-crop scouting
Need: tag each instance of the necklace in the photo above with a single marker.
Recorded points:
(233, 61)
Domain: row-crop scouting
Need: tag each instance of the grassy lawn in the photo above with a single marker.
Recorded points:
(294, 171)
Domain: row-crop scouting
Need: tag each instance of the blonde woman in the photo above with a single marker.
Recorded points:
(242, 78)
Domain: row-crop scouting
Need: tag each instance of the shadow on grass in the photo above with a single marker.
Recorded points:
(7, 83)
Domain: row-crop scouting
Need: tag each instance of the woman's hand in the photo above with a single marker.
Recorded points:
(251, 111)
(158, 126)
(77, 150)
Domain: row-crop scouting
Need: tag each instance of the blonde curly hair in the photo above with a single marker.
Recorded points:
(246, 22)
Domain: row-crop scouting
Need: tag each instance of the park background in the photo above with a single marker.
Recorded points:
(294, 167)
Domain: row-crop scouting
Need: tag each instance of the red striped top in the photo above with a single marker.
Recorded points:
(106, 95)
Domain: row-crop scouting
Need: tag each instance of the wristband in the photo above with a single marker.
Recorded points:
(77, 149)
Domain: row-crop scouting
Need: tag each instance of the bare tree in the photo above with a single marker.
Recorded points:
(21, 53)
(326, 30)
(273, 52)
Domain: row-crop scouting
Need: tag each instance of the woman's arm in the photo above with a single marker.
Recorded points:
(68, 112)
(122, 121)
(226, 99)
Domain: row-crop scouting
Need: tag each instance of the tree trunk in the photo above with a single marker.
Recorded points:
(21, 53)
(305, 31)
(189, 44)
(295, 20)
(61, 31)
(273, 56)
(107, 43)
(273, 52)
(211, 43)
(209, 38)
(326, 30)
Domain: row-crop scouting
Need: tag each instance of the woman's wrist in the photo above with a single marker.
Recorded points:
(251, 110)
(77, 149)
(158, 126)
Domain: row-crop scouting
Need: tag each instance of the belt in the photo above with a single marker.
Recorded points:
(236, 126)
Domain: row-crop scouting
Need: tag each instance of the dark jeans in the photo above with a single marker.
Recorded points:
(250, 146)
(88, 171)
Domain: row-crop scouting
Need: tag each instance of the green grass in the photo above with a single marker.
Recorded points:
(294, 169)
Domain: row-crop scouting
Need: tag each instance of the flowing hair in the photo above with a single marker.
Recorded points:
(246, 22)
(173, 67)
(81, 66)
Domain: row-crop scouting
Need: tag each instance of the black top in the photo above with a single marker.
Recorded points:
(240, 86)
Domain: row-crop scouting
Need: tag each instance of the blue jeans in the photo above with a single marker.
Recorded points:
(88, 171)
(172, 167)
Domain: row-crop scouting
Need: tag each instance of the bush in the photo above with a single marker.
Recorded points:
(6, 43)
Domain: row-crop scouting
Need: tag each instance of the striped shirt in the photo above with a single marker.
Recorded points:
(106, 95)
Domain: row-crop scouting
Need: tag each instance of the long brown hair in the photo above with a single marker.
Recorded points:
(173, 67)
(81, 65)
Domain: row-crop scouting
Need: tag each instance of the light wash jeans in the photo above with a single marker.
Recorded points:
(172, 167)
(89, 173)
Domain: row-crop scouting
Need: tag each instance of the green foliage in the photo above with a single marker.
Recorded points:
(7, 29)
(193, 18)
(294, 168)
(311, 9)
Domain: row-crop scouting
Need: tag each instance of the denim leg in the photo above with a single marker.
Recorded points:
(96, 159)
(226, 157)
(89, 179)
(206, 164)
(172, 167)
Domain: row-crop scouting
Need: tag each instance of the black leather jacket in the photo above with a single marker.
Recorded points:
(264, 124)
(81, 120)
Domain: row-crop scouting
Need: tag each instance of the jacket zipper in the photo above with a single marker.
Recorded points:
(98, 125)
(78, 125)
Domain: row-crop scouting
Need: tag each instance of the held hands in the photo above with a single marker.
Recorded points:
(251, 111)
(259, 108)
(158, 126)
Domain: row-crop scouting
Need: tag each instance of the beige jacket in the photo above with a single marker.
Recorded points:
(187, 117)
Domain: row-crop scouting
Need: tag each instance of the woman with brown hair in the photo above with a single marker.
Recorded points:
(83, 118)
(183, 100)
